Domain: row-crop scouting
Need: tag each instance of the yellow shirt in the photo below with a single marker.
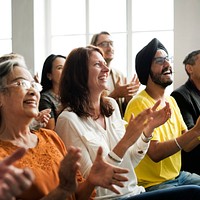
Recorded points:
(150, 173)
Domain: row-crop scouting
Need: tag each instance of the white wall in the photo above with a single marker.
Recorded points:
(186, 35)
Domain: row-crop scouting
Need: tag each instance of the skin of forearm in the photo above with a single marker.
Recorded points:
(161, 150)
(189, 140)
(121, 148)
(84, 190)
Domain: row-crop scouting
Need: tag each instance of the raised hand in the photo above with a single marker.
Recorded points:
(68, 170)
(125, 89)
(136, 126)
(43, 116)
(106, 175)
(14, 181)
(159, 117)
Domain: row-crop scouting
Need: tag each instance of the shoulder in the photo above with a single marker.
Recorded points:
(46, 133)
(51, 137)
(141, 98)
(181, 93)
(113, 102)
(66, 114)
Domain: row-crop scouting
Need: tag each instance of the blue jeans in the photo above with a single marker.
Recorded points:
(185, 178)
(190, 192)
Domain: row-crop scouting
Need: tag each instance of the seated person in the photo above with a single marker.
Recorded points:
(42, 119)
(117, 88)
(187, 97)
(45, 150)
(161, 166)
(50, 80)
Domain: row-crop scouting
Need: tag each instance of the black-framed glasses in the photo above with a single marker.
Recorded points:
(105, 44)
(26, 85)
(161, 60)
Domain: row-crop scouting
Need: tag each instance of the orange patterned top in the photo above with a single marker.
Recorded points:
(44, 160)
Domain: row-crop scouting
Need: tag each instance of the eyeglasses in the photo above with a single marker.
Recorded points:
(161, 60)
(26, 85)
(105, 44)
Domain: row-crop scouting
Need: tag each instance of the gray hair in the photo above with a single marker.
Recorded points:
(6, 67)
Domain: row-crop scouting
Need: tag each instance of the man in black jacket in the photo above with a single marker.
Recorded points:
(188, 99)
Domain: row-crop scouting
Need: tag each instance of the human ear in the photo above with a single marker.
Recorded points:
(49, 76)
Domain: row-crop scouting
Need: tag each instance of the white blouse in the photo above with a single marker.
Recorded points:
(88, 135)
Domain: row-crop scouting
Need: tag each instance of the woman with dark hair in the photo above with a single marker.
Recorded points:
(90, 120)
(50, 98)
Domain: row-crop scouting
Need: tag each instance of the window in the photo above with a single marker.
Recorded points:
(132, 24)
(5, 23)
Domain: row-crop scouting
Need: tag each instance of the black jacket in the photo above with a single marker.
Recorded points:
(187, 97)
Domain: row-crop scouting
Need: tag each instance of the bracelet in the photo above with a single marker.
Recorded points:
(178, 145)
(145, 139)
(113, 157)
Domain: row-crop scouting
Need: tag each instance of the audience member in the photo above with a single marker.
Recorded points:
(187, 97)
(14, 181)
(160, 168)
(90, 120)
(118, 88)
(45, 150)
(50, 98)
(43, 117)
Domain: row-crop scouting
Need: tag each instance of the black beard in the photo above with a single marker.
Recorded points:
(156, 78)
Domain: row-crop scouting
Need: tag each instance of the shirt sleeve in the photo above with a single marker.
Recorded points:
(70, 130)
(45, 103)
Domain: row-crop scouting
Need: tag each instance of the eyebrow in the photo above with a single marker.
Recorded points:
(19, 78)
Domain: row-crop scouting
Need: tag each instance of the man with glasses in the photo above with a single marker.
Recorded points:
(161, 166)
(118, 88)
(187, 97)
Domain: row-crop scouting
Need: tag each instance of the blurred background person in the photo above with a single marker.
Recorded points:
(50, 80)
(187, 97)
(118, 88)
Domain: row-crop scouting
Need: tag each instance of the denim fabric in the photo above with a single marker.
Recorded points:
(190, 192)
(185, 178)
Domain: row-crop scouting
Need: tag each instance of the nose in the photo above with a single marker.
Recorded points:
(106, 68)
(32, 91)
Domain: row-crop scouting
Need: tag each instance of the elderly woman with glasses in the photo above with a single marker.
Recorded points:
(19, 99)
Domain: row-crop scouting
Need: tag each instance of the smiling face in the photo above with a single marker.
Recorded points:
(98, 73)
(17, 100)
(105, 42)
(57, 67)
(161, 72)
